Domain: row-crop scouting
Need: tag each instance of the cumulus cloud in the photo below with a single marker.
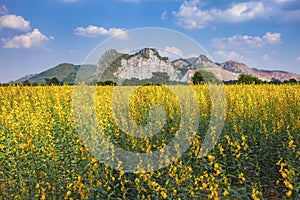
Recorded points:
(3, 10)
(190, 14)
(272, 38)
(240, 12)
(298, 58)
(28, 40)
(171, 52)
(245, 48)
(95, 31)
(246, 41)
(228, 55)
(14, 22)
(174, 53)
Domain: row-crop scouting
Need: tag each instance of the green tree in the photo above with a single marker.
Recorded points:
(292, 80)
(109, 82)
(202, 76)
(132, 81)
(248, 79)
(275, 81)
(52, 81)
(100, 83)
(160, 78)
(70, 79)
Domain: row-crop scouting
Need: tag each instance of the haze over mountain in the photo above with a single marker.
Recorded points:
(141, 65)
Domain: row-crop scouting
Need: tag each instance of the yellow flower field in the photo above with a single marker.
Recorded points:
(257, 155)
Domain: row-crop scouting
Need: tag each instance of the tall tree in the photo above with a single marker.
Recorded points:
(202, 76)
(248, 79)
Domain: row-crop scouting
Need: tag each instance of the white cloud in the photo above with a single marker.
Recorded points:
(246, 41)
(272, 38)
(14, 22)
(28, 40)
(164, 15)
(228, 55)
(174, 50)
(171, 52)
(240, 12)
(3, 10)
(192, 55)
(190, 15)
(298, 58)
(118, 32)
(95, 31)
(91, 31)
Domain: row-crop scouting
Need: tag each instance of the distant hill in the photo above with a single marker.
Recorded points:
(265, 75)
(25, 78)
(65, 72)
(113, 65)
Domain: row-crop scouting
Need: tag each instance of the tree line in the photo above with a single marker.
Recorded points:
(202, 76)
(162, 78)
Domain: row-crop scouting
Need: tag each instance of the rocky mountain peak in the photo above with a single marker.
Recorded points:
(265, 75)
(147, 53)
(142, 64)
(201, 61)
(113, 65)
(235, 67)
(106, 60)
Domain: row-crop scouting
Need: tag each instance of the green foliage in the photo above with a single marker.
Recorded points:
(60, 72)
(256, 156)
(111, 83)
(197, 78)
(70, 79)
(144, 54)
(52, 81)
(108, 74)
(132, 81)
(66, 73)
(158, 78)
(248, 79)
(202, 76)
(199, 65)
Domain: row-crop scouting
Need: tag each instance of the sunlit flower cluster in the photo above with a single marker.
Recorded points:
(42, 156)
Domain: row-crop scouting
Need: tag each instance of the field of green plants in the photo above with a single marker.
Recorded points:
(257, 155)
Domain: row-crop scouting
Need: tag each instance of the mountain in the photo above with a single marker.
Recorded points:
(265, 75)
(203, 62)
(65, 72)
(229, 70)
(25, 78)
(142, 65)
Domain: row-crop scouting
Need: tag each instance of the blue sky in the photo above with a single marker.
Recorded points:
(36, 35)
